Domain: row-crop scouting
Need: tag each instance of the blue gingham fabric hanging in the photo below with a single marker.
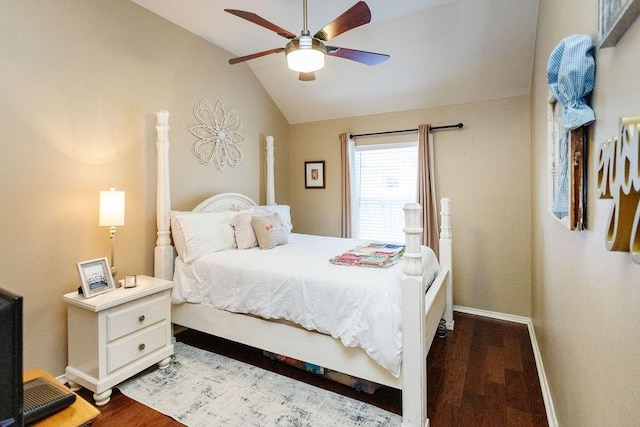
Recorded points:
(571, 77)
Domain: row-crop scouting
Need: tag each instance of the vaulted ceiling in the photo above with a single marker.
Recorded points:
(443, 52)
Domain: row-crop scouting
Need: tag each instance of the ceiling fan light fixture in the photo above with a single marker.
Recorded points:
(305, 54)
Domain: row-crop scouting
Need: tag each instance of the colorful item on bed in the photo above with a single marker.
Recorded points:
(377, 255)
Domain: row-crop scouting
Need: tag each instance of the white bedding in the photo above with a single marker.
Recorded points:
(358, 305)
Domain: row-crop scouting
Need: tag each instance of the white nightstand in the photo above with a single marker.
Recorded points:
(115, 335)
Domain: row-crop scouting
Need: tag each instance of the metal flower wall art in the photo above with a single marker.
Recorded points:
(218, 138)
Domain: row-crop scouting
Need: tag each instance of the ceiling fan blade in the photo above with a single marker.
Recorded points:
(255, 55)
(307, 77)
(367, 58)
(358, 15)
(252, 17)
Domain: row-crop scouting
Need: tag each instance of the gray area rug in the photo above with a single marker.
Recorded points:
(200, 388)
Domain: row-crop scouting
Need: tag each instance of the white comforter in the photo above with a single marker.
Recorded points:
(358, 305)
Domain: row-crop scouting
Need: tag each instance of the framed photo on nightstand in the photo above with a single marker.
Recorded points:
(95, 277)
(129, 281)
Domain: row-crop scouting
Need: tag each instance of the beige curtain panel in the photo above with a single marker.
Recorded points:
(427, 189)
(345, 226)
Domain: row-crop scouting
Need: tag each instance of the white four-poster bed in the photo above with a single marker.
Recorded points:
(421, 311)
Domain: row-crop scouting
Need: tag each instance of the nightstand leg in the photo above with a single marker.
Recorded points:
(102, 398)
(74, 386)
(164, 363)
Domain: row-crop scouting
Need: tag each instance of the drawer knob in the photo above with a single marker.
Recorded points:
(141, 318)
(141, 346)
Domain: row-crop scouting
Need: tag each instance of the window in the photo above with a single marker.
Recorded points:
(386, 179)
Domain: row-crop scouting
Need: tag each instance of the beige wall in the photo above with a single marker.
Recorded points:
(80, 84)
(484, 168)
(585, 300)
(81, 81)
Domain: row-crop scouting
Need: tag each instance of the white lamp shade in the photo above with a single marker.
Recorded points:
(111, 208)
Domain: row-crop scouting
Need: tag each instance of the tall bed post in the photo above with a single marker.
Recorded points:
(422, 311)
(414, 363)
(446, 257)
(163, 264)
(271, 188)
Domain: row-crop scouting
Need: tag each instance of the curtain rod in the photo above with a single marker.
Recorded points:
(389, 132)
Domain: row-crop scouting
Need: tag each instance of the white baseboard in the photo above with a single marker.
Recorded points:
(544, 385)
(492, 314)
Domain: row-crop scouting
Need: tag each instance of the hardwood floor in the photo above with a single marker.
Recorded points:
(482, 374)
(122, 411)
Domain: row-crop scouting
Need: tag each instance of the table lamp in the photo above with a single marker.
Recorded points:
(112, 215)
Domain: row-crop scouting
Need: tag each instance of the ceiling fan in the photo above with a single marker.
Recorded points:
(306, 53)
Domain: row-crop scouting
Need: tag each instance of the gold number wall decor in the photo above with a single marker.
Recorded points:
(618, 178)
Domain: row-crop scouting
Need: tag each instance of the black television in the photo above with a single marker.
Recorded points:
(11, 391)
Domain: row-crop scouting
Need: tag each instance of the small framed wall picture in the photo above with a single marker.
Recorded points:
(615, 18)
(95, 277)
(314, 174)
(129, 281)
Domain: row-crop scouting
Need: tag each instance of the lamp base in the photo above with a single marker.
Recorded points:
(114, 273)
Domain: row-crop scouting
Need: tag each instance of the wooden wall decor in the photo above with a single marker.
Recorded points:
(576, 173)
(571, 77)
(618, 175)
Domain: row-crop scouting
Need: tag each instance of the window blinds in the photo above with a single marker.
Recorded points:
(386, 179)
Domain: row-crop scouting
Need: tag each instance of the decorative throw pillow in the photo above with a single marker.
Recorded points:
(245, 236)
(283, 210)
(199, 233)
(241, 223)
(270, 231)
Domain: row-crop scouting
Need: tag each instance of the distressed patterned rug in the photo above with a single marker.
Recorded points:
(200, 388)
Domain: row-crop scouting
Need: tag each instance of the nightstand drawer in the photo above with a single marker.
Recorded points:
(137, 345)
(135, 315)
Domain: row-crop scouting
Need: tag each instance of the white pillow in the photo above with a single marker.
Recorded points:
(199, 233)
(176, 232)
(285, 213)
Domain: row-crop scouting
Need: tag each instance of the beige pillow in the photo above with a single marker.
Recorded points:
(245, 236)
(283, 210)
(270, 231)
